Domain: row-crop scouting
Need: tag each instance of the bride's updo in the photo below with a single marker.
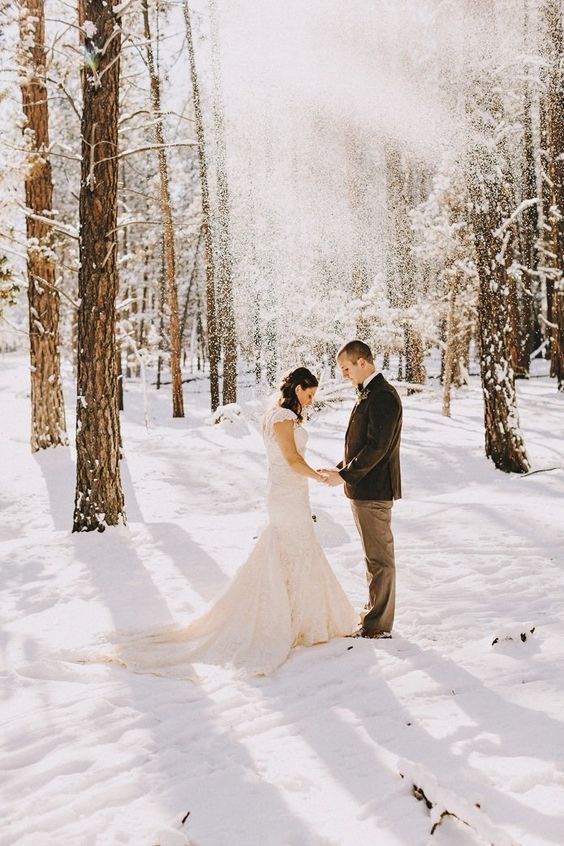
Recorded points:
(300, 376)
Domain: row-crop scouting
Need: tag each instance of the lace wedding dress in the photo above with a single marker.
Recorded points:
(284, 595)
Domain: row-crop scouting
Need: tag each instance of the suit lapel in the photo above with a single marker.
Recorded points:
(371, 387)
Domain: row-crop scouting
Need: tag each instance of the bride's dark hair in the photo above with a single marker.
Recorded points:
(300, 376)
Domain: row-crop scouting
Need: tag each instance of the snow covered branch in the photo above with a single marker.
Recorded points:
(526, 204)
(11, 325)
(55, 288)
(547, 323)
(443, 803)
(149, 147)
(69, 231)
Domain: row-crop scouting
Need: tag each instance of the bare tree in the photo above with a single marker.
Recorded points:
(99, 497)
(171, 289)
(213, 339)
(48, 427)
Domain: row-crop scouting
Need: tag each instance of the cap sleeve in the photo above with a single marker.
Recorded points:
(277, 415)
(281, 414)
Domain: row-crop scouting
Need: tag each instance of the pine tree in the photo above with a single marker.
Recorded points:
(225, 312)
(402, 273)
(48, 426)
(169, 256)
(552, 130)
(99, 497)
(489, 213)
(529, 220)
(211, 311)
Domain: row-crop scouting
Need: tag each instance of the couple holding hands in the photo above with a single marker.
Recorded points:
(286, 593)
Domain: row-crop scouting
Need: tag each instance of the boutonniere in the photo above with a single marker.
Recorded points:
(362, 394)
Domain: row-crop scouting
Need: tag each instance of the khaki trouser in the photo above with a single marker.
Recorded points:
(373, 520)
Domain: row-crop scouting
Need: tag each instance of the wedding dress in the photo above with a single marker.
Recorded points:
(284, 595)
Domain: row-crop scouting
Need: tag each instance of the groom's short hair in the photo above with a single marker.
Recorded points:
(355, 350)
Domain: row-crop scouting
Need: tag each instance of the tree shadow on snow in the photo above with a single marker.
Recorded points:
(337, 740)
(200, 569)
(59, 472)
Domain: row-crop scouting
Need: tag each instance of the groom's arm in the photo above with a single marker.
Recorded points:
(382, 421)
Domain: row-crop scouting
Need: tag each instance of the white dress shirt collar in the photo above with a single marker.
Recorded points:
(369, 379)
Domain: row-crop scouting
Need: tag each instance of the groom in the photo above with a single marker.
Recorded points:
(371, 473)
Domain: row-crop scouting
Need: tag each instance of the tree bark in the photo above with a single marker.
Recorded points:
(517, 324)
(257, 339)
(449, 357)
(168, 225)
(529, 220)
(48, 427)
(99, 500)
(552, 129)
(557, 351)
(213, 338)
(189, 288)
(503, 440)
(225, 312)
(145, 300)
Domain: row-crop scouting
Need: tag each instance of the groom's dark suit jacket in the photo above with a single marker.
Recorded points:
(371, 467)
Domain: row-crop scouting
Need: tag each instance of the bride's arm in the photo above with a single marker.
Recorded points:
(284, 434)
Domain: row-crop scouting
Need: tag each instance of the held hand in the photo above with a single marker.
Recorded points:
(333, 477)
(321, 476)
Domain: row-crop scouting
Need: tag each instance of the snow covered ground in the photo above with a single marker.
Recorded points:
(326, 751)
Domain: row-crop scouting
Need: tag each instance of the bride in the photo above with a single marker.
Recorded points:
(285, 594)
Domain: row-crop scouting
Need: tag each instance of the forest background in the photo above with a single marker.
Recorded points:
(231, 187)
(195, 196)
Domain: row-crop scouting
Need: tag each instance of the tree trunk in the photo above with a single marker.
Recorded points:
(557, 350)
(99, 500)
(124, 321)
(517, 324)
(145, 302)
(213, 339)
(48, 427)
(162, 339)
(450, 346)
(529, 220)
(168, 225)
(503, 440)
(225, 312)
(414, 357)
(200, 345)
(463, 336)
(401, 271)
(257, 338)
(358, 187)
(552, 123)
(193, 275)
(271, 350)
(456, 343)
